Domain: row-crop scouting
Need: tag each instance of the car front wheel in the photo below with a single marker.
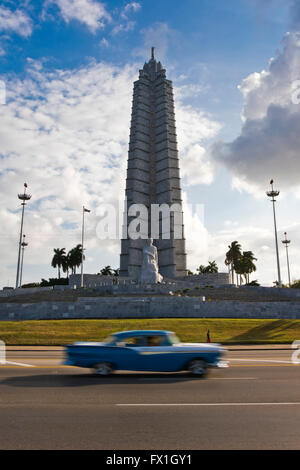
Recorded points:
(198, 367)
(103, 368)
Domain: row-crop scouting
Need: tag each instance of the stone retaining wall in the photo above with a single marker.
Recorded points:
(27, 290)
(152, 307)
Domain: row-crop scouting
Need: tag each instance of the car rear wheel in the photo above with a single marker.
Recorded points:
(197, 367)
(103, 368)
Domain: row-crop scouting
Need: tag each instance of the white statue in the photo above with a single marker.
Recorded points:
(149, 271)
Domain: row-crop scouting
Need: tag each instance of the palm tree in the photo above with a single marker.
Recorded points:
(244, 265)
(107, 271)
(116, 272)
(210, 268)
(248, 256)
(65, 265)
(74, 258)
(58, 259)
(240, 267)
(201, 269)
(232, 256)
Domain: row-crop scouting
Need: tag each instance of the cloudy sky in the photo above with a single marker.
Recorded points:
(68, 66)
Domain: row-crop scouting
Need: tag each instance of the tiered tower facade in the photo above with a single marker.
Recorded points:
(153, 175)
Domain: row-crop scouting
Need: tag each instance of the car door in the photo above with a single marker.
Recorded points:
(158, 355)
(129, 355)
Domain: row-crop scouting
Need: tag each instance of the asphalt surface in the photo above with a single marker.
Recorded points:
(253, 404)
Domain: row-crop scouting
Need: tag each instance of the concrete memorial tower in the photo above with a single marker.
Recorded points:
(153, 176)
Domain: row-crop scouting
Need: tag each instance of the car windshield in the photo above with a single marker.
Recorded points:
(110, 339)
(173, 339)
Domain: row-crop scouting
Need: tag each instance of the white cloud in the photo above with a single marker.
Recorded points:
(125, 24)
(66, 134)
(194, 128)
(160, 35)
(196, 234)
(260, 240)
(92, 13)
(123, 27)
(132, 6)
(104, 42)
(188, 90)
(15, 21)
(269, 142)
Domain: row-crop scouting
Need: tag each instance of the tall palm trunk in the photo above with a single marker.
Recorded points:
(232, 273)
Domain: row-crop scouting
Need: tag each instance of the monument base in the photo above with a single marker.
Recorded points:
(127, 283)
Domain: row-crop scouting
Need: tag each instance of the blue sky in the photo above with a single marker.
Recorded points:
(68, 66)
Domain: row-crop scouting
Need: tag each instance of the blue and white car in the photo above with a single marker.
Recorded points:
(145, 350)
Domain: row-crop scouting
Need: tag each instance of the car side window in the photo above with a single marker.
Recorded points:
(155, 340)
(135, 341)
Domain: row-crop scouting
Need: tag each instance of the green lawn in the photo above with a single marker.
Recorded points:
(226, 331)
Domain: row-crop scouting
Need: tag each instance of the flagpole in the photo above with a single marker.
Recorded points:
(82, 239)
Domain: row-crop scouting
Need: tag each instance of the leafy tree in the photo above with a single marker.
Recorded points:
(58, 259)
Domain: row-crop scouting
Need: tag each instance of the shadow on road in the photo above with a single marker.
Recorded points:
(86, 380)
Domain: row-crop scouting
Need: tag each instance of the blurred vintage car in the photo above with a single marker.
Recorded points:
(142, 350)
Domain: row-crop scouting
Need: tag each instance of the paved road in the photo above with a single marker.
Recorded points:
(254, 404)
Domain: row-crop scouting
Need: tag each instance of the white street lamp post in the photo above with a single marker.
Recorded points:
(286, 242)
(272, 194)
(24, 244)
(82, 241)
(23, 197)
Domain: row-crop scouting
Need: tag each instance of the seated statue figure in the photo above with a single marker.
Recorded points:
(149, 271)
